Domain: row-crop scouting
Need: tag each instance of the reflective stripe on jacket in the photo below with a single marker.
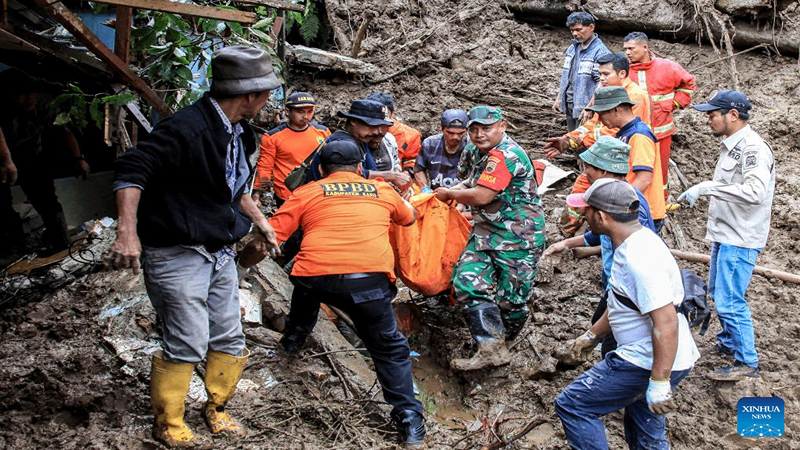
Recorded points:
(667, 83)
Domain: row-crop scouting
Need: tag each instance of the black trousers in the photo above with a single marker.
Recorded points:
(41, 192)
(366, 298)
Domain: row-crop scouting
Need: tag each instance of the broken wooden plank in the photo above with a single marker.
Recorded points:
(362, 32)
(74, 25)
(122, 33)
(26, 12)
(61, 51)
(275, 4)
(134, 110)
(9, 41)
(276, 32)
(186, 9)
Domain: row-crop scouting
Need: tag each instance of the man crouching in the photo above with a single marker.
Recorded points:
(655, 347)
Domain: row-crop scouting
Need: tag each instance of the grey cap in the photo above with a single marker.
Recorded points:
(607, 194)
(239, 70)
(609, 154)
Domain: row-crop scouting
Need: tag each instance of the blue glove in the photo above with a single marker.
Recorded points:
(659, 397)
(426, 190)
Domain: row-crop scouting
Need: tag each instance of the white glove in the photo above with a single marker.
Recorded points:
(659, 397)
(693, 193)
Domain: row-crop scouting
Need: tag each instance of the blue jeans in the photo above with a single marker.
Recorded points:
(610, 385)
(728, 279)
(197, 305)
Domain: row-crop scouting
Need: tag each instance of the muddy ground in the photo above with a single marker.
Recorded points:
(75, 368)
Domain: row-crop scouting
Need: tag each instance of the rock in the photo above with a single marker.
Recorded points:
(742, 7)
(544, 368)
(729, 392)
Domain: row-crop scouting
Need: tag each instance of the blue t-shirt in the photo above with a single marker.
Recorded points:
(441, 167)
(607, 247)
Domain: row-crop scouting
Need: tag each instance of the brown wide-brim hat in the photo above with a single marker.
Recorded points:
(239, 70)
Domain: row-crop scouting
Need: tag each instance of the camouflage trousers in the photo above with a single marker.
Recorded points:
(503, 277)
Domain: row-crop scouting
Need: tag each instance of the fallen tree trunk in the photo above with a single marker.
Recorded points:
(668, 24)
(584, 252)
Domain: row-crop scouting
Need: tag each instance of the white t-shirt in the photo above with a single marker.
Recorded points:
(645, 271)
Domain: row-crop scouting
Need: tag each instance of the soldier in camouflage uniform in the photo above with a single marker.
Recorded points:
(494, 276)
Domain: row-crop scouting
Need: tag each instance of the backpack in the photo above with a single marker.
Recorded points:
(694, 305)
(298, 176)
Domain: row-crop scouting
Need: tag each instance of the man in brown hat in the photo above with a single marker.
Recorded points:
(184, 233)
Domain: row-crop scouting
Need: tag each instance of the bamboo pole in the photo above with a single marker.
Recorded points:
(583, 252)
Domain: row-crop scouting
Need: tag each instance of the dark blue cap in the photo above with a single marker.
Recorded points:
(382, 98)
(454, 118)
(340, 153)
(300, 99)
(726, 99)
(368, 111)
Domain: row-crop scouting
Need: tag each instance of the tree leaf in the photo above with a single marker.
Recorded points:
(119, 99)
(62, 119)
(236, 28)
(185, 73)
(161, 21)
(310, 28)
(173, 35)
(95, 113)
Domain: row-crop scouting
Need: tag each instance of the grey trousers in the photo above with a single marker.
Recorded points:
(198, 306)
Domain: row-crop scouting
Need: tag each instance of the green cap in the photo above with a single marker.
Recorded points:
(609, 154)
(486, 115)
(609, 98)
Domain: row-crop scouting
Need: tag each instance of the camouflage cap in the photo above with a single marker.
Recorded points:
(610, 97)
(609, 154)
(486, 115)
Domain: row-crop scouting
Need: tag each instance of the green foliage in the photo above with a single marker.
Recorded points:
(72, 107)
(308, 22)
(174, 52)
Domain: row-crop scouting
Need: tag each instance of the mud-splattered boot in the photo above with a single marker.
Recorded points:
(169, 383)
(487, 329)
(222, 374)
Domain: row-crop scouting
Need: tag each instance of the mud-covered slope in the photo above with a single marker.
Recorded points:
(64, 385)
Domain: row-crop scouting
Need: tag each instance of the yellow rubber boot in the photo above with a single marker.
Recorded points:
(222, 374)
(169, 383)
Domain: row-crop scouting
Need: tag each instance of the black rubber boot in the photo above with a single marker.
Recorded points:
(411, 425)
(292, 343)
(486, 325)
(514, 322)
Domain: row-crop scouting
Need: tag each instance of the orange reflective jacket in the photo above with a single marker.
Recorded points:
(409, 141)
(670, 87)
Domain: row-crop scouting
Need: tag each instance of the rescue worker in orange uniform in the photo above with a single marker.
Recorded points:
(409, 140)
(615, 110)
(614, 68)
(670, 88)
(347, 261)
(286, 146)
